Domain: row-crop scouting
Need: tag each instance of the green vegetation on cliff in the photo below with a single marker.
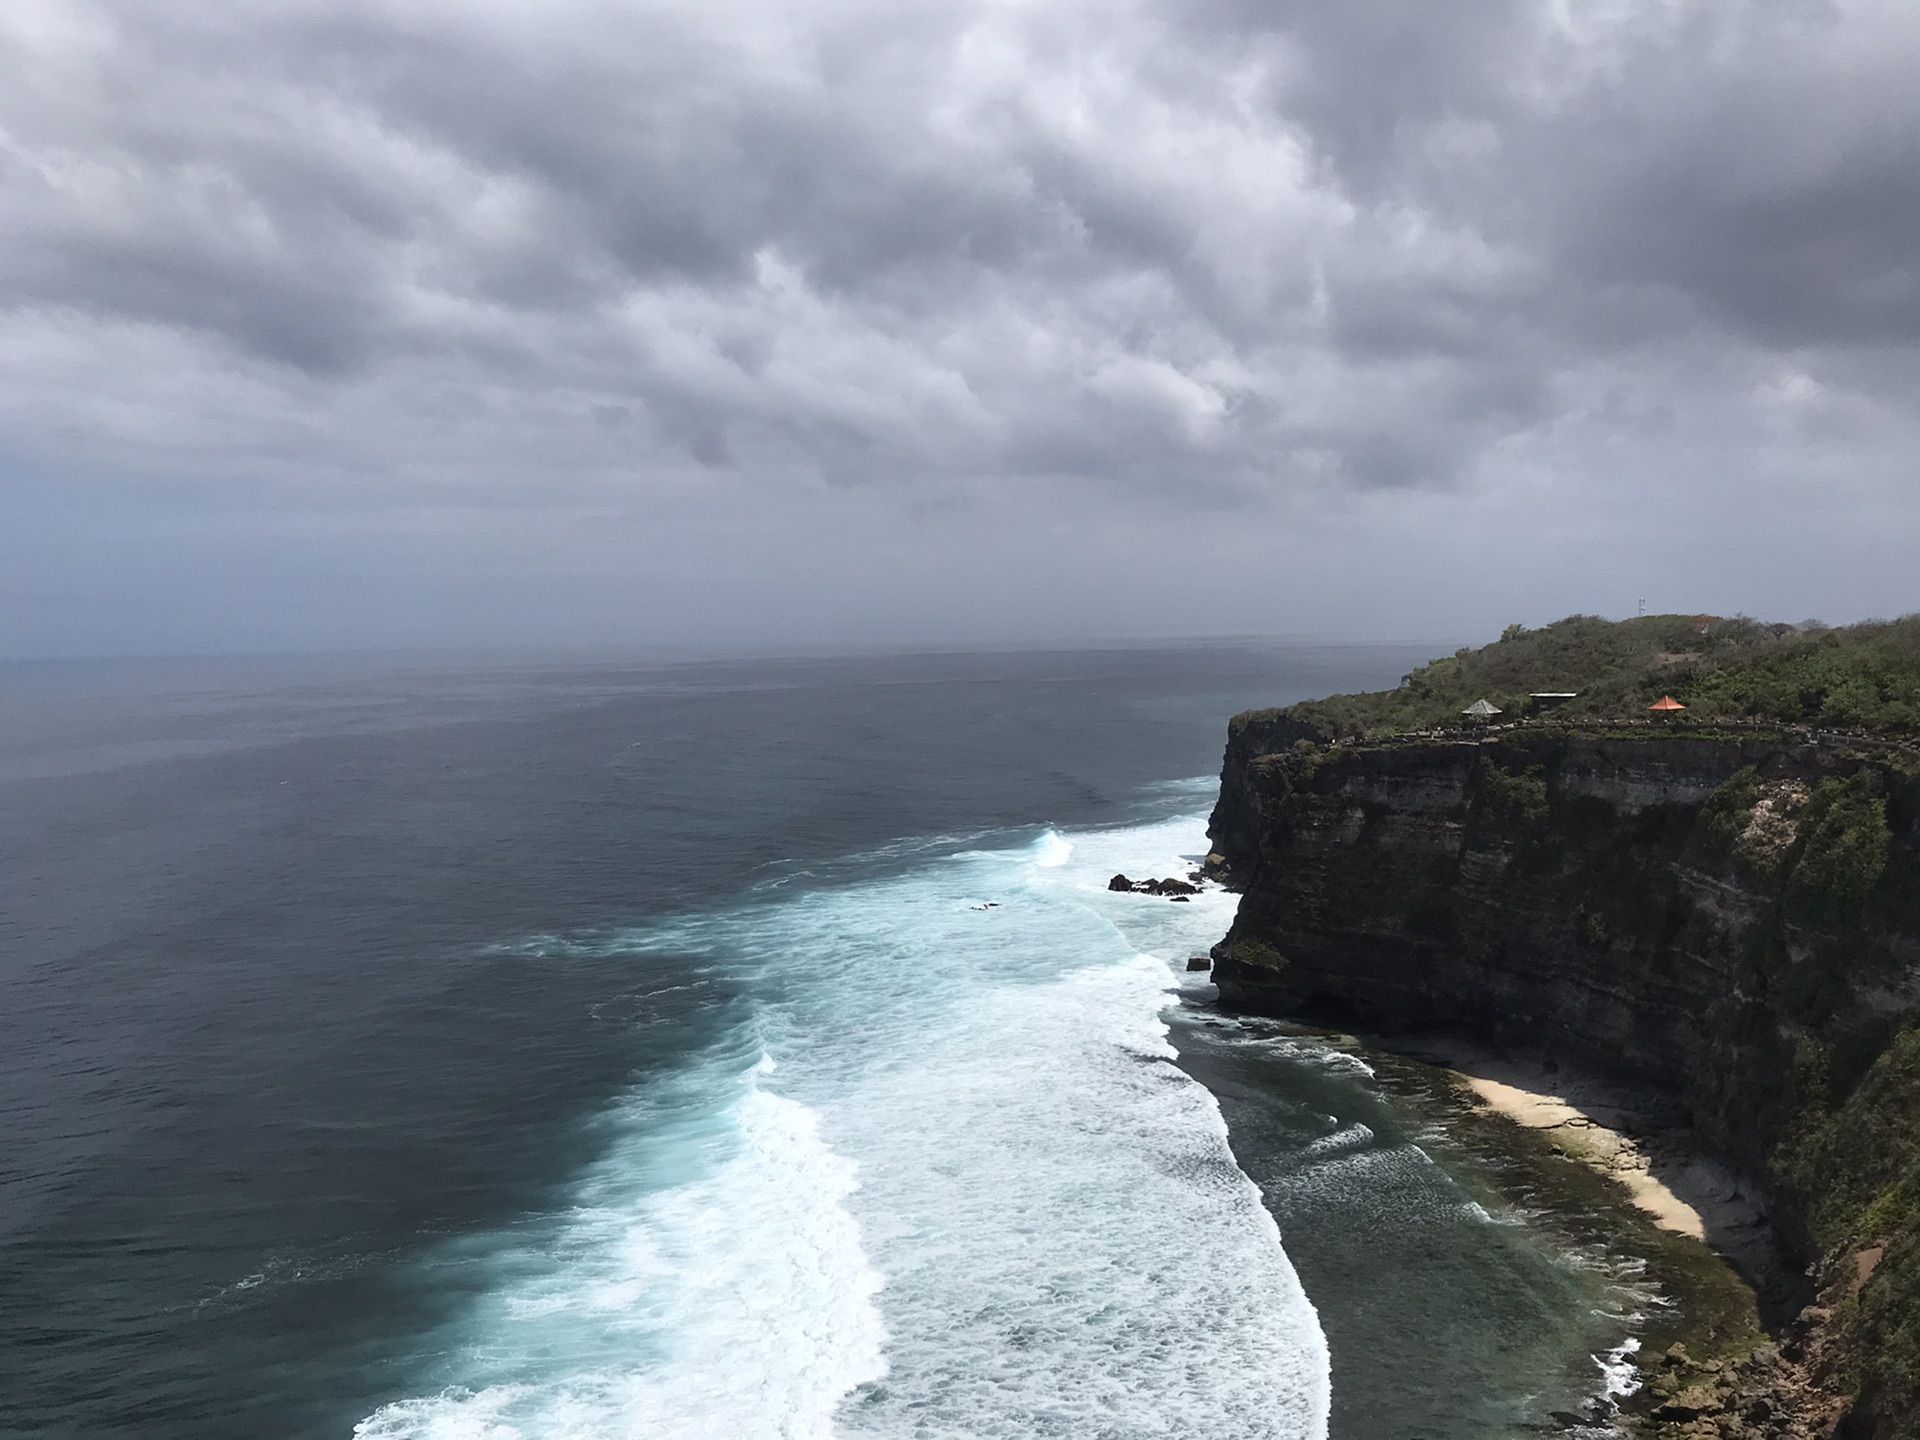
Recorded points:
(1858, 1161)
(1849, 1160)
(1732, 914)
(1860, 676)
(1843, 848)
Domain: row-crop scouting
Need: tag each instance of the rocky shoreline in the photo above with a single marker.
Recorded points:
(1687, 915)
(1720, 1375)
(1700, 1362)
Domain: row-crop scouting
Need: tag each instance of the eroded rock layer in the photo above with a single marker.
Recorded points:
(1732, 916)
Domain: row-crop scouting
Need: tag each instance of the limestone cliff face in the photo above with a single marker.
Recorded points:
(1736, 919)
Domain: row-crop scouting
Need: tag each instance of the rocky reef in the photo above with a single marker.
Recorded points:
(1730, 914)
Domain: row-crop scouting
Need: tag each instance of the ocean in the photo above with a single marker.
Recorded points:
(731, 1049)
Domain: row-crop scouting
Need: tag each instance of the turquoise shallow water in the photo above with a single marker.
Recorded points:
(747, 1050)
(1462, 1314)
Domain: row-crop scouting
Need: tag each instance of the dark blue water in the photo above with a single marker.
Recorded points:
(333, 996)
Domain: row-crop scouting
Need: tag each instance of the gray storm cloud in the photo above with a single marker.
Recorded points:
(414, 321)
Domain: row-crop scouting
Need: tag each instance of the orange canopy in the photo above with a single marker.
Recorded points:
(1666, 703)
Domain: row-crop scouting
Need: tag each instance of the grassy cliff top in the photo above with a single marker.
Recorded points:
(1860, 676)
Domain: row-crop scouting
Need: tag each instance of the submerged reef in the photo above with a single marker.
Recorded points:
(1728, 912)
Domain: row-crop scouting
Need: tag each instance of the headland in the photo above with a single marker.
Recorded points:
(1516, 864)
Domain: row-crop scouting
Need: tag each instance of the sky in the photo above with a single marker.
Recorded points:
(334, 324)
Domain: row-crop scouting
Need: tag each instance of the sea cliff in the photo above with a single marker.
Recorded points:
(1729, 913)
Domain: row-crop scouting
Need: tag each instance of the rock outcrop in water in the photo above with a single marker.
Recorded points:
(1733, 915)
(1173, 889)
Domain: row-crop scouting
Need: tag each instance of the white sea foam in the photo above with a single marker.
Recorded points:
(1069, 1247)
(1053, 851)
(976, 1101)
(739, 1304)
(1076, 1254)
(1314, 1052)
(1620, 1377)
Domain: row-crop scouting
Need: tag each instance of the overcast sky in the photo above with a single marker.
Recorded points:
(350, 323)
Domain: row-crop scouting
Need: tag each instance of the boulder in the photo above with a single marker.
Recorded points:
(1199, 962)
(1697, 1400)
(1169, 887)
(1120, 882)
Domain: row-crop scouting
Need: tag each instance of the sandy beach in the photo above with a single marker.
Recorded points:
(1627, 1135)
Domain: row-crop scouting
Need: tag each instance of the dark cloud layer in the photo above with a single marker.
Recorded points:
(772, 291)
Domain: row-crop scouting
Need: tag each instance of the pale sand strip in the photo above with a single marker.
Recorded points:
(1581, 1137)
(1607, 1127)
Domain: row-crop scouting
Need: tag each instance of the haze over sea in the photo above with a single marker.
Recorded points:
(745, 1049)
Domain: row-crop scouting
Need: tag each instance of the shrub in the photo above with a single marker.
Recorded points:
(1842, 850)
(1857, 1171)
(1723, 819)
(1520, 797)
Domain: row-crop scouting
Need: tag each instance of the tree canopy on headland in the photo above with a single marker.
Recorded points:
(1864, 676)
